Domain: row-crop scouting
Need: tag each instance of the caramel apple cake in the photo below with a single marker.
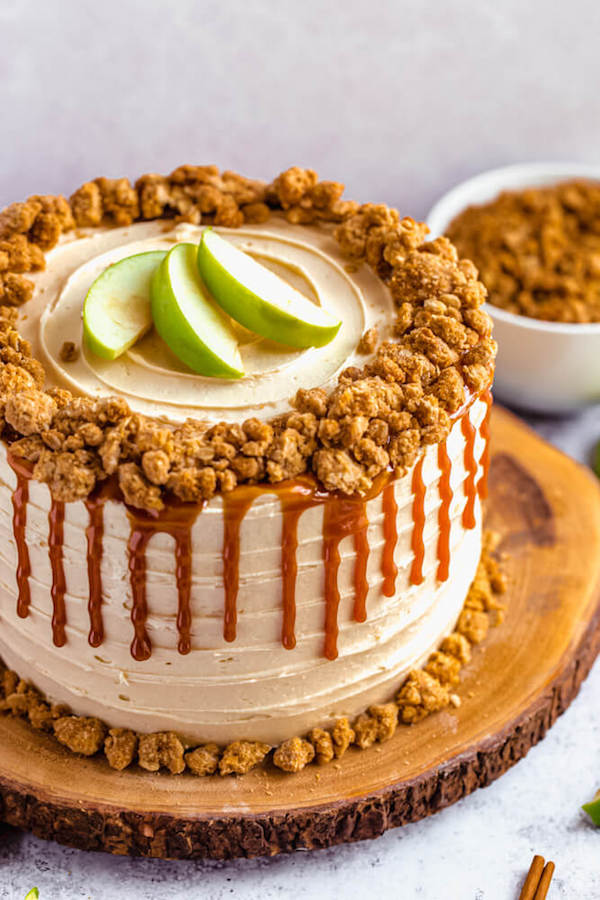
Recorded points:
(193, 562)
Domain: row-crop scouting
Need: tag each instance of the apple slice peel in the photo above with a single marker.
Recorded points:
(116, 309)
(259, 299)
(189, 322)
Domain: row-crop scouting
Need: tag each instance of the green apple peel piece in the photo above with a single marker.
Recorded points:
(258, 299)
(188, 321)
(116, 310)
(593, 809)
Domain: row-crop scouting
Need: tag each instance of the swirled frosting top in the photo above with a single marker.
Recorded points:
(150, 377)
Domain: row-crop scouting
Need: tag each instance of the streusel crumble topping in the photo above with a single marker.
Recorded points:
(538, 250)
(378, 417)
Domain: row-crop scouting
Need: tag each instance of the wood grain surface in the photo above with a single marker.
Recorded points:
(526, 673)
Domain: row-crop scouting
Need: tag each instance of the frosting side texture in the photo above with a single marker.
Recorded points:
(252, 687)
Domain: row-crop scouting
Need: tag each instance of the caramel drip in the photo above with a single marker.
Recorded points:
(361, 549)
(141, 647)
(176, 519)
(331, 560)
(56, 518)
(20, 498)
(289, 571)
(482, 486)
(235, 507)
(183, 574)
(418, 512)
(343, 517)
(293, 501)
(446, 494)
(469, 433)
(389, 569)
(95, 543)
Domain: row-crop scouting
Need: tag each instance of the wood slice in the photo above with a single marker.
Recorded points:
(526, 673)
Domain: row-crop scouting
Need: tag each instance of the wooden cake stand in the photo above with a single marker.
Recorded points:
(521, 678)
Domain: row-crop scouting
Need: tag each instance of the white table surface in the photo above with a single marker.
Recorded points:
(399, 99)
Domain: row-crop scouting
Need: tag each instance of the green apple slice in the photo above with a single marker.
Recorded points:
(116, 310)
(593, 809)
(258, 299)
(190, 322)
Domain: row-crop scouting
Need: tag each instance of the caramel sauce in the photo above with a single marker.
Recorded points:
(446, 494)
(235, 506)
(56, 518)
(294, 501)
(469, 434)
(331, 560)
(418, 511)
(176, 519)
(20, 498)
(343, 517)
(362, 550)
(482, 486)
(389, 569)
(141, 648)
(94, 534)
(183, 575)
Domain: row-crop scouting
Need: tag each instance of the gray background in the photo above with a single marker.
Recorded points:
(398, 100)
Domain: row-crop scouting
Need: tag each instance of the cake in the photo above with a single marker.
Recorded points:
(192, 562)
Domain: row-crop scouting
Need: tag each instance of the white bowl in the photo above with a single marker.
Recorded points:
(549, 367)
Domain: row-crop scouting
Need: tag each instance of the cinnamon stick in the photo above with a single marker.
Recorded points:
(542, 888)
(533, 878)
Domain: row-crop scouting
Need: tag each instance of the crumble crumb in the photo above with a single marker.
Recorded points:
(86, 205)
(18, 218)
(120, 748)
(342, 736)
(420, 695)
(19, 254)
(14, 289)
(256, 213)
(154, 195)
(137, 491)
(368, 341)
(30, 411)
(9, 682)
(323, 745)
(457, 645)
(163, 748)
(365, 730)
(386, 717)
(119, 200)
(473, 624)
(69, 352)
(203, 760)
(293, 755)
(377, 724)
(69, 475)
(338, 472)
(81, 734)
(444, 667)
(241, 756)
